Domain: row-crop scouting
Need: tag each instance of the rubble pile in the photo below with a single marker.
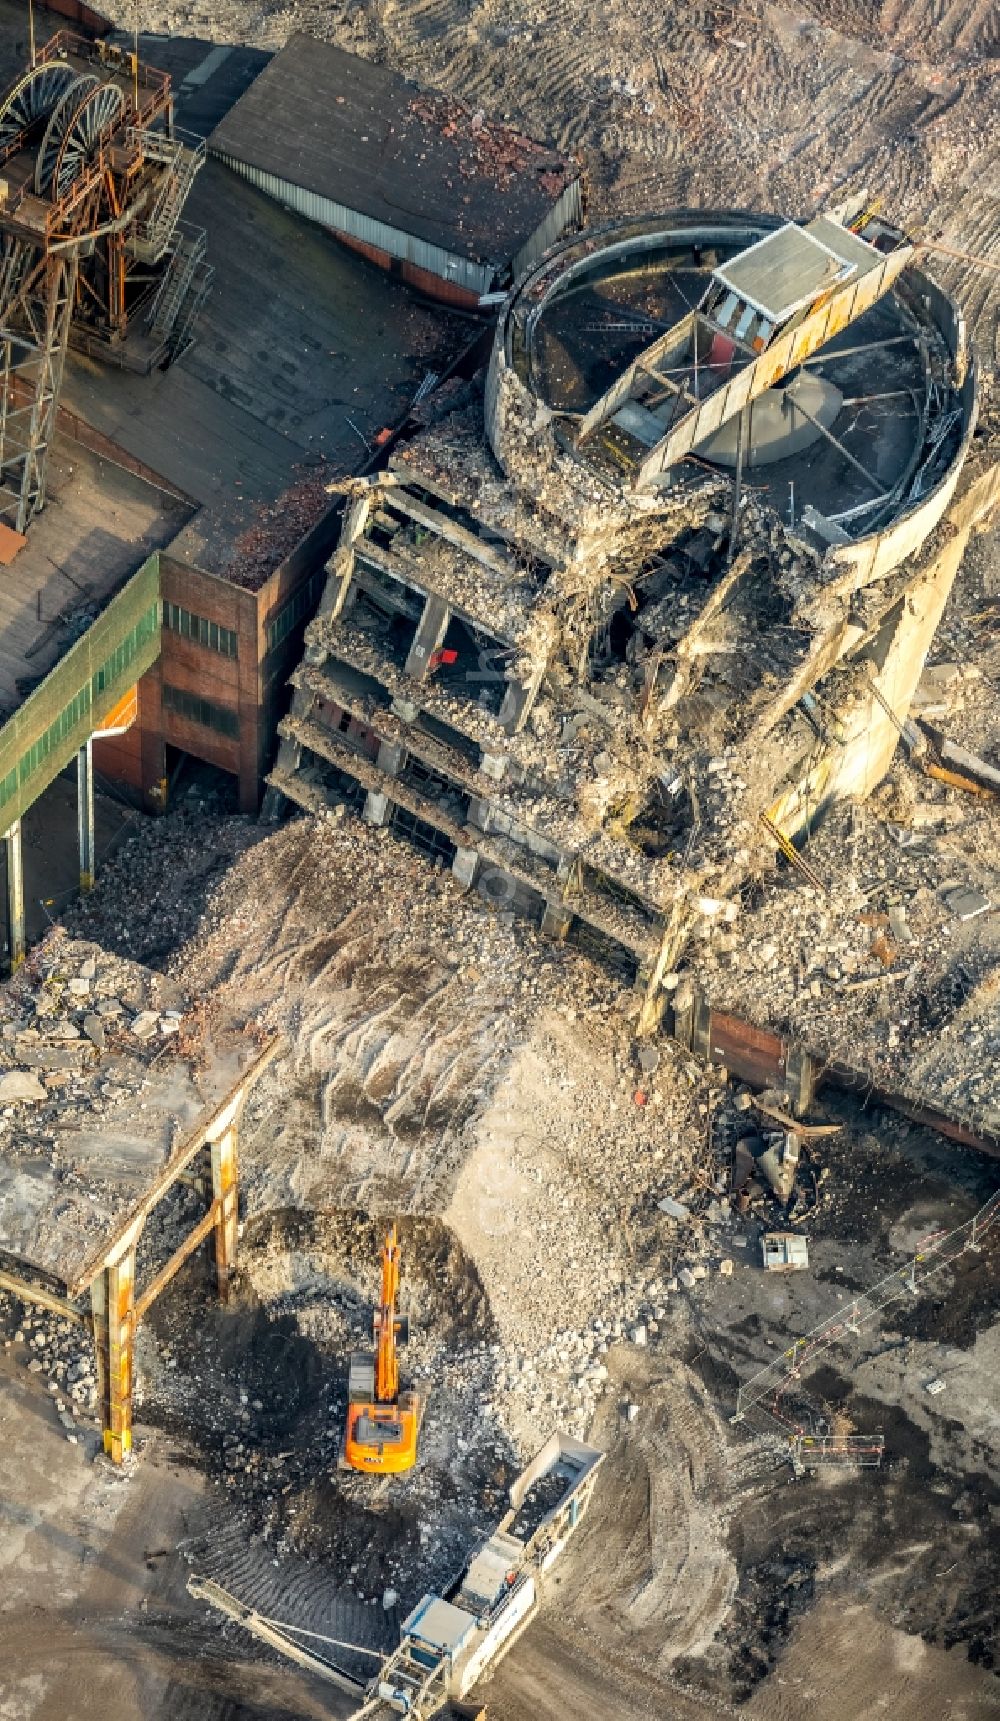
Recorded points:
(592, 1115)
(152, 889)
(891, 964)
(278, 526)
(78, 1028)
(62, 1353)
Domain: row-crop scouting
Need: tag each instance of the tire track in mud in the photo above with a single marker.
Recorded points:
(300, 1590)
(972, 224)
(391, 1037)
(664, 1579)
(650, 1578)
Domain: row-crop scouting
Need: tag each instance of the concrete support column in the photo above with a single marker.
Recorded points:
(684, 1012)
(15, 895)
(226, 1195)
(376, 808)
(112, 1301)
(431, 629)
(701, 1028)
(340, 573)
(480, 813)
(518, 700)
(556, 920)
(801, 1077)
(464, 867)
(391, 755)
(85, 812)
(493, 765)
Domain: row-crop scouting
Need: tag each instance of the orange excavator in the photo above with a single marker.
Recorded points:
(382, 1422)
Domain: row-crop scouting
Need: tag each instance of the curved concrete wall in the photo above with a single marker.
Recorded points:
(598, 254)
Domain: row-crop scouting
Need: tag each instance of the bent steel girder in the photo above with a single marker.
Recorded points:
(30, 100)
(59, 120)
(100, 111)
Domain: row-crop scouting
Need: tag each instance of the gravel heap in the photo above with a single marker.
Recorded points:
(892, 967)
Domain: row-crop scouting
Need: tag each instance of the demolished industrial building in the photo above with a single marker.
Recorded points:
(629, 952)
(641, 629)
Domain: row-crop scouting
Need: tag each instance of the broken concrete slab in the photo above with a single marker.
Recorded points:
(18, 1086)
(95, 1031)
(965, 902)
(73, 1057)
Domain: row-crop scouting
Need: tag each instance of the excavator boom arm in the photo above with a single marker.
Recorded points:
(386, 1358)
(380, 1436)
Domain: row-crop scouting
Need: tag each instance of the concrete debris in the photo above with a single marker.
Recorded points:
(784, 1252)
(17, 1086)
(779, 1165)
(966, 904)
(936, 690)
(488, 1052)
(651, 672)
(926, 1026)
(93, 1027)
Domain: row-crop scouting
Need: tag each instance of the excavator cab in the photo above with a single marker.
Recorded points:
(380, 1435)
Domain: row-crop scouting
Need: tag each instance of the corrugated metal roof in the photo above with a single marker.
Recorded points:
(359, 135)
(475, 277)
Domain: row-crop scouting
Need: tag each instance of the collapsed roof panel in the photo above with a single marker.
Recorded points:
(788, 270)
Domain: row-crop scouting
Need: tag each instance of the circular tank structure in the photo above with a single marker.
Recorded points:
(857, 449)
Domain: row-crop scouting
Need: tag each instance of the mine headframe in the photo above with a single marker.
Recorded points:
(93, 180)
(763, 313)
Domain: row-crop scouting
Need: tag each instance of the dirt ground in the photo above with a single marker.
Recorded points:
(94, 1617)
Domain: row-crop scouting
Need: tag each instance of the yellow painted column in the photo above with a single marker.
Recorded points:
(225, 1192)
(112, 1298)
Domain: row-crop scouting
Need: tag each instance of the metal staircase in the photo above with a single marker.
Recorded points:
(183, 289)
(153, 236)
(182, 337)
